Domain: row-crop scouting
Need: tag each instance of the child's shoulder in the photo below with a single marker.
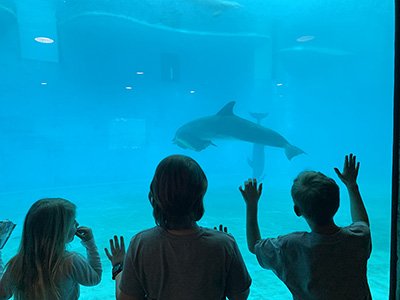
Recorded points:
(71, 258)
(358, 224)
(144, 234)
(75, 260)
(72, 255)
(216, 234)
(359, 228)
(294, 237)
(287, 239)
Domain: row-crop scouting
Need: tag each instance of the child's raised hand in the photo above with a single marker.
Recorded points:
(251, 193)
(84, 233)
(117, 249)
(350, 170)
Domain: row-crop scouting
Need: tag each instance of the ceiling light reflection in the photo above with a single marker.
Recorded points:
(44, 40)
(305, 38)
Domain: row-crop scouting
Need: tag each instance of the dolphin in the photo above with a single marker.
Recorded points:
(257, 162)
(199, 133)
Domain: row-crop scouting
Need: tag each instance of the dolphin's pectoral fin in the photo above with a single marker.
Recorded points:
(292, 151)
(227, 110)
(199, 144)
(192, 143)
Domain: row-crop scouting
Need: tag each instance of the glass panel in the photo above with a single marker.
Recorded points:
(93, 93)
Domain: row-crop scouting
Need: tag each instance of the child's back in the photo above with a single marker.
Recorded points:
(317, 266)
(331, 261)
(177, 259)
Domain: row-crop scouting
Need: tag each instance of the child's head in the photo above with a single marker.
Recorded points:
(177, 191)
(316, 197)
(49, 223)
(35, 270)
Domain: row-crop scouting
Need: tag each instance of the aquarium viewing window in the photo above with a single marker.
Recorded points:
(94, 94)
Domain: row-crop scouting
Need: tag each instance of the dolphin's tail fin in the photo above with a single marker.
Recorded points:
(258, 116)
(292, 151)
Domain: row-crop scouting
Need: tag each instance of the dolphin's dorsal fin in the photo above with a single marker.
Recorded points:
(227, 110)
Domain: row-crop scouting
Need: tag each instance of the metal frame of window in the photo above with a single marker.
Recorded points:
(395, 239)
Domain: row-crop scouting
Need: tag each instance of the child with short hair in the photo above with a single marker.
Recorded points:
(42, 268)
(330, 263)
(177, 259)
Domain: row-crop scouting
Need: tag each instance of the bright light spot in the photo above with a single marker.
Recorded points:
(140, 73)
(279, 84)
(305, 38)
(44, 40)
(192, 92)
(128, 87)
(44, 83)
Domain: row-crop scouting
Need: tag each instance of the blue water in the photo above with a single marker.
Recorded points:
(89, 116)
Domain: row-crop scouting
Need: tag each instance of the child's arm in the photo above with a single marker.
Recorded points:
(251, 194)
(88, 274)
(349, 178)
(116, 255)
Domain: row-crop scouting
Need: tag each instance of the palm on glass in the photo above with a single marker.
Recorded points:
(251, 193)
(350, 170)
(117, 250)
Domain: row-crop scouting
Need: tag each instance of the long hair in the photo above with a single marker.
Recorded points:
(177, 191)
(35, 270)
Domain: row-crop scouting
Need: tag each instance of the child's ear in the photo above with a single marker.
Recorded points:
(297, 211)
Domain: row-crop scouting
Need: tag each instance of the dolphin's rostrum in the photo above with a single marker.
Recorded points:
(200, 133)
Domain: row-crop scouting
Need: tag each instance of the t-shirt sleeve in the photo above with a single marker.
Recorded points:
(130, 284)
(362, 229)
(269, 254)
(238, 279)
(87, 271)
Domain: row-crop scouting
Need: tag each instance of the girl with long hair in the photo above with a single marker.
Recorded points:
(43, 269)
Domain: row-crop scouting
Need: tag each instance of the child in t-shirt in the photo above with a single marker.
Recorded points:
(330, 262)
(178, 259)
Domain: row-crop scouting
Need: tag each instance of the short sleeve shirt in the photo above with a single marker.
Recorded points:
(205, 265)
(315, 266)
